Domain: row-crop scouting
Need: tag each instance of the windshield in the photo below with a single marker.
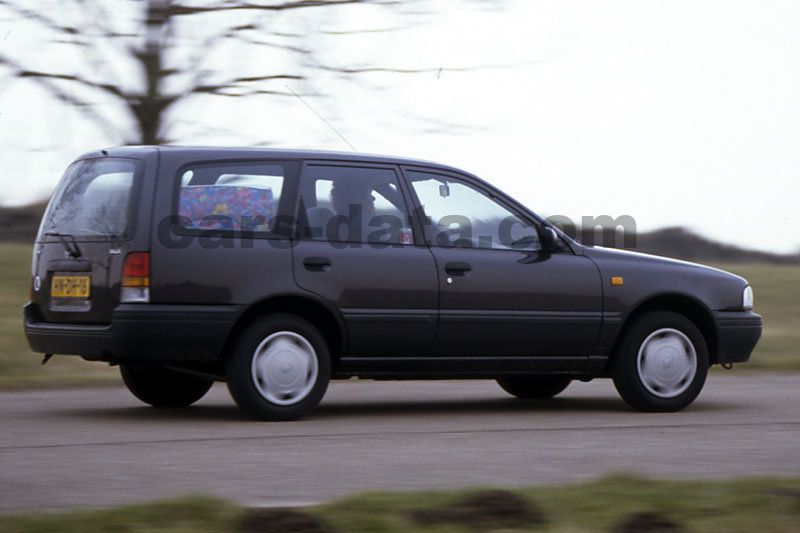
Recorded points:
(92, 200)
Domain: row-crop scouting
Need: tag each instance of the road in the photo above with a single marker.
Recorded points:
(100, 447)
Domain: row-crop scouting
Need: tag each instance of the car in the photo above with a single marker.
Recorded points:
(279, 270)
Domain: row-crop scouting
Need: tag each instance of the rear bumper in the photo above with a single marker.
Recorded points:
(139, 331)
(737, 335)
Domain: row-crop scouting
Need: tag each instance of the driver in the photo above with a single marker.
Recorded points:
(347, 193)
(352, 199)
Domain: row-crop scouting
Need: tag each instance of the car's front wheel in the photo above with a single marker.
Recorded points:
(279, 369)
(534, 388)
(163, 387)
(661, 363)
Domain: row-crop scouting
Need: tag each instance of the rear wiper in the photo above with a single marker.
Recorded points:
(69, 243)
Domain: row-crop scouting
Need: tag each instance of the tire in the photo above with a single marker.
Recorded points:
(162, 387)
(661, 363)
(279, 368)
(540, 388)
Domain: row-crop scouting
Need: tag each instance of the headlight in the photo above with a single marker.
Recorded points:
(747, 297)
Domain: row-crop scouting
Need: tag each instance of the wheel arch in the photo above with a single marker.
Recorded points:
(682, 304)
(320, 314)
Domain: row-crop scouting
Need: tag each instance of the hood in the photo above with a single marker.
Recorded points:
(646, 276)
(600, 253)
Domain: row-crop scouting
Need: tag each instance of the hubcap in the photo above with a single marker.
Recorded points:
(667, 363)
(284, 368)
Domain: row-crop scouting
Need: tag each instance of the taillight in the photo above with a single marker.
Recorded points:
(136, 278)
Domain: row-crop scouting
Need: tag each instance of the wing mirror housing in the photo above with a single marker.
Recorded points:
(548, 238)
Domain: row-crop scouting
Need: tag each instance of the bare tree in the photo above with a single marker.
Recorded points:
(167, 78)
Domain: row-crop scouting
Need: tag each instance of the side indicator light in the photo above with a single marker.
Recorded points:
(616, 280)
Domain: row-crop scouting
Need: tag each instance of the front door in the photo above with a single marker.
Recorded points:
(501, 294)
(358, 251)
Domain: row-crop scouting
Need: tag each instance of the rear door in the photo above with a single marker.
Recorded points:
(358, 251)
(83, 239)
(217, 240)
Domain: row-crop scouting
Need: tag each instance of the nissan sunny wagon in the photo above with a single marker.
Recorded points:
(276, 271)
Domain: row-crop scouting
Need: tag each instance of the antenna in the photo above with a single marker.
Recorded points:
(322, 118)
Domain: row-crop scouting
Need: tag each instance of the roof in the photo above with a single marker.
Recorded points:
(207, 152)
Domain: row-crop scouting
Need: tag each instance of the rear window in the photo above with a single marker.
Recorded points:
(230, 196)
(93, 200)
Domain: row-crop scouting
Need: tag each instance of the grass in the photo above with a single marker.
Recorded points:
(187, 514)
(755, 504)
(777, 291)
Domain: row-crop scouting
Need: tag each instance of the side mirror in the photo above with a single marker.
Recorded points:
(548, 238)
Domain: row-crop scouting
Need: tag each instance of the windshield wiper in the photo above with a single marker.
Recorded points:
(69, 243)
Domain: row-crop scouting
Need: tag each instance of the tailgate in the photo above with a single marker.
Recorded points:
(81, 290)
(83, 240)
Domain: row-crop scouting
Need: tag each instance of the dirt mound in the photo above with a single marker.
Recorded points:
(648, 522)
(494, 508)
(280, 521)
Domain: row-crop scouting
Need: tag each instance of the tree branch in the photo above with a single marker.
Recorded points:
(359, 32)
(178, 9)
(389, 70)
(285, 47)
(38, 17)
(235, 87)
(250, 79)
(220, 88)
(107, 87)
(220, 91)
(49, 83)
(96, 15)
(51, 24)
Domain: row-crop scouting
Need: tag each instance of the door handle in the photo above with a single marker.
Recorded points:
(457, 268)
(317, 264)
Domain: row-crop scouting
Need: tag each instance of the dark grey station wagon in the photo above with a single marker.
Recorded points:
(277, 270)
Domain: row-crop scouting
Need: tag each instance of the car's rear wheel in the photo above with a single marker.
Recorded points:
(662, 362)
(539, 388)
(163, 387)
(279, 368)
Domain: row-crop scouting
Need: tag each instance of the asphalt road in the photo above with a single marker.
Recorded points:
(101, 447)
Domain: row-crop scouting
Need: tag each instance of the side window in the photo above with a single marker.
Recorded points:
(458, 214)
(353, 204)
(235, 196)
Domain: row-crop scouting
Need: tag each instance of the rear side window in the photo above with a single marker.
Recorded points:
(230, 196)
(93, 200)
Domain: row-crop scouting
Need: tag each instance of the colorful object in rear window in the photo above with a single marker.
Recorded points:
(226, 207)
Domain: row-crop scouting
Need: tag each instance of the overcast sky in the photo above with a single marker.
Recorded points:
(677, 113)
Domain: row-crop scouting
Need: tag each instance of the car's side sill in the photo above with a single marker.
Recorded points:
(466, 367)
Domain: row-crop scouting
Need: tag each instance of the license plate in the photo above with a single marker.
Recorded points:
(71, 286)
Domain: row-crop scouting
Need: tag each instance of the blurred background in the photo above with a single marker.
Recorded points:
(681, 116)
(675, 113)
(684, 116)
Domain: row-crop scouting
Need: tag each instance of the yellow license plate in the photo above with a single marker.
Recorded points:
(71, 286)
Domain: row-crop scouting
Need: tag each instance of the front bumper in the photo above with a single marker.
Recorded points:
(139, 331)
(737, 335)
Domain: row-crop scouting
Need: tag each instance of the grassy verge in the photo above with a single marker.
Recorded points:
(615, 503)
(777, 291)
